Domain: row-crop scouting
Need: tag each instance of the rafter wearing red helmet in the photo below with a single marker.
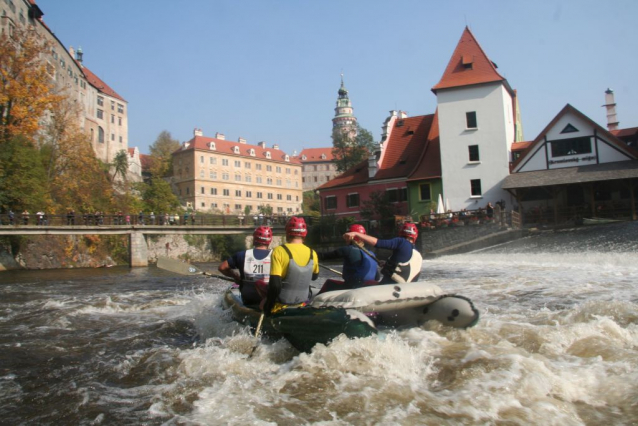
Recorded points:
(294, 265)
(359, 266)
(251, 268)
(404, 264)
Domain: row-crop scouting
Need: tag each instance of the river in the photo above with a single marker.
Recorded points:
(557, 344)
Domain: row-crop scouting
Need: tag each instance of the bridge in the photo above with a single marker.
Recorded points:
(138, 247)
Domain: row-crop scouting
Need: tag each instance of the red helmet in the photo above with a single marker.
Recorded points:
(296, 227)
(262, 236)
(357, 228)
(409, 230)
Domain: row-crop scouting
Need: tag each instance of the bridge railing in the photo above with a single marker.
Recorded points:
(198, 219)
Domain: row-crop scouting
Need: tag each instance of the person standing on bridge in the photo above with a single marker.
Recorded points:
(251, 268)
(294, 265)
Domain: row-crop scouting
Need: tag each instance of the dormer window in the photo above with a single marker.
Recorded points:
(236, 149)
(304, 158)
(467, 60)
(323, 156)
(286, 158)
(212, 146)
(251, 152)
(267, 154)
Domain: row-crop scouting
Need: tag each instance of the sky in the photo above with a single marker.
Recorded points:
(269, 70)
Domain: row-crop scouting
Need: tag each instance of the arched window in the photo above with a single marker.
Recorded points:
(100, 135)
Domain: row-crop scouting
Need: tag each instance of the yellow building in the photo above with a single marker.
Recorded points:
(220, 176)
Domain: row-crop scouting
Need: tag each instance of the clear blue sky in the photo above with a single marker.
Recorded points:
(270, 70)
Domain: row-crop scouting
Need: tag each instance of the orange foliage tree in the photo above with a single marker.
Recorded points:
(26, 90)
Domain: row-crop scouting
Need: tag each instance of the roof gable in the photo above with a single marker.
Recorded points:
(531, 149)
(429, 164)
(100, 85)
(468, 65)
(353, 176)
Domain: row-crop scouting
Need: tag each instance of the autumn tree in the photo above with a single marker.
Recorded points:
(157, 196)
(162, 154)
(349, 149)
(26, 90)
(311, 204)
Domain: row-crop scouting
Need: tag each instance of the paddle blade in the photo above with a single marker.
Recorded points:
(177, 266)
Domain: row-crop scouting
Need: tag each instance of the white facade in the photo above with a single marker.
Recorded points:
(572, 140)
(493, 135)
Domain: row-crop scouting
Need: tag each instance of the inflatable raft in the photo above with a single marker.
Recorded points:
(358, 312)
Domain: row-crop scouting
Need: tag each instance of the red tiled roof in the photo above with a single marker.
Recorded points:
(429, 164)
(96, 82)
(146, 161)
(469, 65)
(404, 146)
(520, 146)
(621, 133)
(353, 176)
(228, 147)
(314, 154)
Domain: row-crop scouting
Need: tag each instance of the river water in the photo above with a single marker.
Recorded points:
(557, 344)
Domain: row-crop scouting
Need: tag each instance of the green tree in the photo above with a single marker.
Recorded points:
(157, 196)
(162, 154)
(349, 150)
(311, 204)
(378, 206)
(120, 164)
(23, 179)
(265, 209)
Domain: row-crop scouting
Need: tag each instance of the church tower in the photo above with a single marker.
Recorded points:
(344, 120)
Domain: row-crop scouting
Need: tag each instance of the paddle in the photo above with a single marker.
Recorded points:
(182, 268)
(331, 270)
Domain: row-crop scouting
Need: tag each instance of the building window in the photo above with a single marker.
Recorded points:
(269, 168)
(258, 179)
(226, 193)
(249, 194)
(203, 190)
(188, 190)
(287, 170)
(425, 193)
(237, 193)
(225, 176)
(397, 195)
(476, 187)
(474, 153)
(121, 140)
(278, 169)
(269, 181)
(470, 120)
(100, 134)
(246, 165)
(213, 191)
(119, 121)
(352, 200)
(270, 195)
(237, 178)
(203, 204)
(213, 160)
(112, 119)
(278, 182)
(260, 195)
(201, 159)
(573, 146)
(213, 175)
(100, 101)
(237, 206)
(201, 173)
(247, 178)
(120, 108)
(236, 149)
(279, 197)
(112, 105)
(288, 197)
(331, 202)
(224, 161)
(113, 136)
(257, 166)
(237, 163)
(100, 114)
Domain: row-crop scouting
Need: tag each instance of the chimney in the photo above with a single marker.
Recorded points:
(72, 52)
(220, 136)
(197, 132)
(610, 105)
(241, 140)
(275, 146)
(262, 144)
(372, 166)
(403, 114)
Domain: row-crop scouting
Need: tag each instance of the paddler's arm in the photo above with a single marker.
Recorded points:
(227, 270)
(368, 239)
(274, 288)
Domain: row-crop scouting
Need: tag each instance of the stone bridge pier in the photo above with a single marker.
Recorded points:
(138, 249)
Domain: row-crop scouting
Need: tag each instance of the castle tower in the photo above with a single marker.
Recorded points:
(344, 120)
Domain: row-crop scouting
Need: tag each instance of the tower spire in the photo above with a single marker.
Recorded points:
(344, 118)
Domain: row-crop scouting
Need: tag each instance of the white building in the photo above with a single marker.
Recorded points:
(477, 112)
